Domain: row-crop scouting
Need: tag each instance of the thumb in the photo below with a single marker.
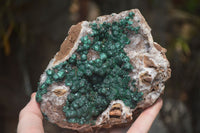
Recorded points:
(30, 118)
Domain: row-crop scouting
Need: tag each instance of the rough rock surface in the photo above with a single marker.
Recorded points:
(151, 70)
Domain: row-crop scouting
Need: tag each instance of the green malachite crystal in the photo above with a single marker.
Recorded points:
(49, 72)
(95, 83)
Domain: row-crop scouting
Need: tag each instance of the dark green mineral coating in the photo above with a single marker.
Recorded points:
(95, 83)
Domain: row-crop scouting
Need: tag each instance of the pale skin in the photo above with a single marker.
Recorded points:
(30, 118)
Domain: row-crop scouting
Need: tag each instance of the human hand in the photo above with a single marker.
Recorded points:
(30, 118)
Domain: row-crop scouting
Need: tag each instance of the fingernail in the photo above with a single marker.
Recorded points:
(33, 95)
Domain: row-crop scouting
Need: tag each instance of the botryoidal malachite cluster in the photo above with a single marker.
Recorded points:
(95, 83)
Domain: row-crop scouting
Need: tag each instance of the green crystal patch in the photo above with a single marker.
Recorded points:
(95, 83)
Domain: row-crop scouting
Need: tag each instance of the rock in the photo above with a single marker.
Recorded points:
(105, 73)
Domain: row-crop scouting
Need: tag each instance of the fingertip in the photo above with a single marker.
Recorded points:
(32, 107)
(33, 95)
(159, 102)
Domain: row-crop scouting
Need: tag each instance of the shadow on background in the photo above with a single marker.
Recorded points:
(31, 32)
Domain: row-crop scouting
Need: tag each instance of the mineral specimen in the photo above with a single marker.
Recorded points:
(105, 71)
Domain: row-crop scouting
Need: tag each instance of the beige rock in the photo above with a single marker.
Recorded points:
(152, 69)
